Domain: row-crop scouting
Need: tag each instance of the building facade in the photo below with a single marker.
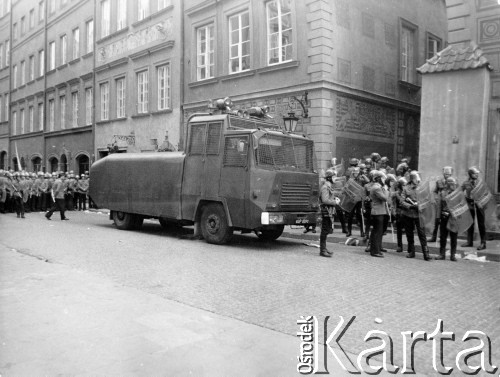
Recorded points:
(80, 78)
(478, 21)
(356, 60)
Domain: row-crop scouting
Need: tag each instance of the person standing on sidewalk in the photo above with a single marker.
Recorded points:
(379, 195)
(411, 217)
(328, 201)
(446, 221)
(58, 189)
(468, 186)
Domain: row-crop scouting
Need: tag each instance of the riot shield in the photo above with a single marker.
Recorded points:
(352, 194)
(426, 207)
(460, 217)
(485, 202)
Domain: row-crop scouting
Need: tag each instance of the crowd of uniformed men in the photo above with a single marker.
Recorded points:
(390, 195)
(23, 192)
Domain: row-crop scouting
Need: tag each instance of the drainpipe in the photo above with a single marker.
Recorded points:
(181, 94)
(94, 152)
(44, 143)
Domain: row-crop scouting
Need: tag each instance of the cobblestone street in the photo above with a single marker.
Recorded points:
(272, 284)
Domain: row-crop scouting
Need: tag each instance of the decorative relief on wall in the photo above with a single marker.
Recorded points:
(390, 35)
(489, 30)
(390, 84)
(365, 118)
(343, 18)
(344, 70)
(368, 24)
(158, 32)
(368, 78)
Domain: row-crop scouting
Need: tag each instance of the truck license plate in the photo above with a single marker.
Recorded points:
(301, 221)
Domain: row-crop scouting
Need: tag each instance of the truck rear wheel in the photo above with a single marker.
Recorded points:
(214, 225)
(123, 220)
(271, 234)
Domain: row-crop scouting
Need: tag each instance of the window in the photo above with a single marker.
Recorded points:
(105, 18)
(74, 109)
(23, 72)
(205, 52)
(32, 118)
(32, 68)
(279, 31)
(235, 151)
(64, 49)
(52, 55)
(41, 11)
(88, 106)
(23, 25)
(76, 43)
(52, 6)
(41, 62)
(7, 53)
(142, 92)
(14, 31)
(14, 76)
(90, 36)
(51, 114)
(7, 105)
(163, 4)
(197, 139)
(14, 122)
(1, 108)
(163, 87)
(1, 55)
(239, 43)
(143, 9)
(120, 98)
(104, 88)
(62, 112)
(433, 45)
(22, 121)
(407, 64)
(40, 116)
(32, 19)
(121, 19)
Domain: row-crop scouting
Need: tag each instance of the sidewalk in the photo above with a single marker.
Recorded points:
(491, 253)
(55, 320)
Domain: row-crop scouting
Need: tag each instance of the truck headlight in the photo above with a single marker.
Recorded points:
(267, 218)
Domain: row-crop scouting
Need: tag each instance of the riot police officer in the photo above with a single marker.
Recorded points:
(445, 218)
(328, 201)
(440, 186)
(468, 186)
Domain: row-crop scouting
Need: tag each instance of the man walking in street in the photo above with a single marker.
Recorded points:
(58, 189)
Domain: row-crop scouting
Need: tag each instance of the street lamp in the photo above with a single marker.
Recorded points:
(290, 122)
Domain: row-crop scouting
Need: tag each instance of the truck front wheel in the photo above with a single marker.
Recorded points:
(214, 225)
(270, 234)
(123, 220)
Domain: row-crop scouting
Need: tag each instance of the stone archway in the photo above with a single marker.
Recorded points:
(63, 164)
(83, 163)
(36, 163)
(54, 164)
(3, 160)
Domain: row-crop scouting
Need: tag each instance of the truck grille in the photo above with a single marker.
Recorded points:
(295, 195)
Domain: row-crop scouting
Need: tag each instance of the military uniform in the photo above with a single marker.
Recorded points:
(358, 207)
(445, 217)
(83, 189)
(18, 196)
(379, 195)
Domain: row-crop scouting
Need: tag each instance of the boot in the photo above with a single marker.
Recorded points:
(435, 232)
(425, 251)
(441, 256)
(344, 228)
(452, 255)
(411, 251)
(482, 246)
(349, 228)
(323, 251)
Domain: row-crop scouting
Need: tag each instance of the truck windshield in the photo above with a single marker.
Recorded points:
(285, 153)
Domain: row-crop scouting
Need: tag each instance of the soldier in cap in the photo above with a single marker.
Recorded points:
(328, 201)
(467, 187)
(3, 190)
(445, 216)
(411, 217)
(58, 190)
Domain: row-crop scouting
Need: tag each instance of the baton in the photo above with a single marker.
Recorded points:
(390, 219)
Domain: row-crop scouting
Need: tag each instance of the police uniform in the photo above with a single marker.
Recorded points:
(397, 199)
(467, 187)
(58, 189)
(379, 195)
(411, 218)
(445, 217)
(358, 207)
(328, 202)
(3, 190)
(18, 195)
